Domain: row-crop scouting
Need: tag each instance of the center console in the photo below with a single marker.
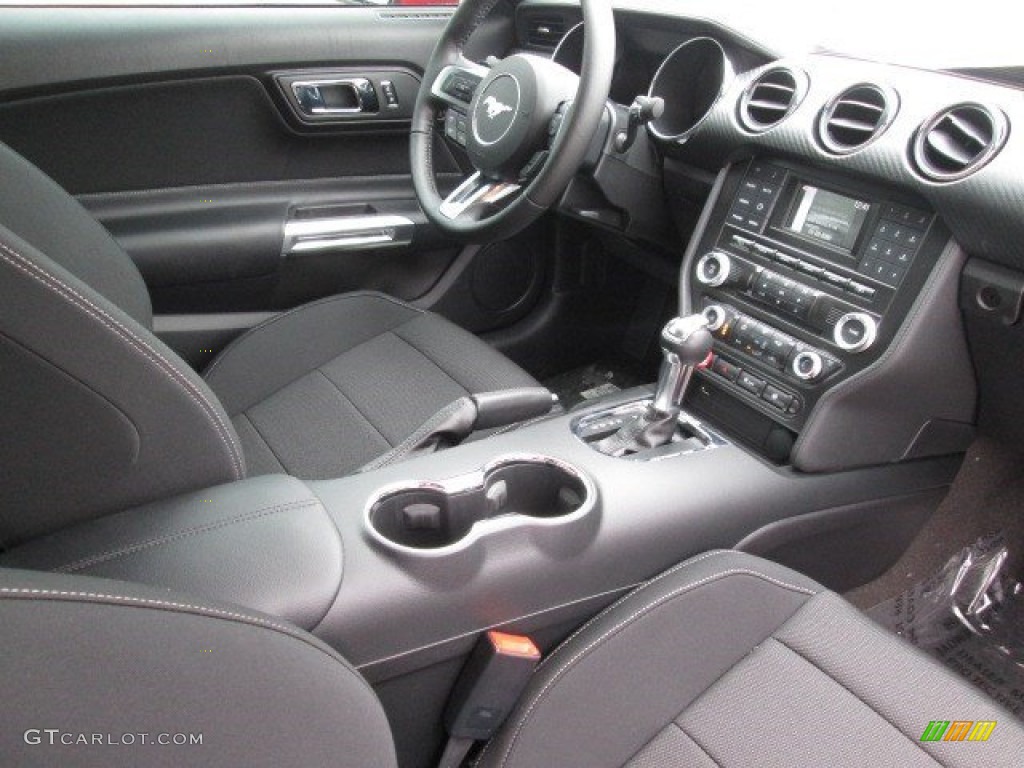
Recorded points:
(806, 281)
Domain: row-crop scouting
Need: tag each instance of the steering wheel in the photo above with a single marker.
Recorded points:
(527, 126)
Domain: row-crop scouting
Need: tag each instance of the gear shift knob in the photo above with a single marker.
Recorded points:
(685, 344)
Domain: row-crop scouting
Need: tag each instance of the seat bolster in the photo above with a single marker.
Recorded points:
(615, 684)
(141, 660)
(98, 414)
(40, 212)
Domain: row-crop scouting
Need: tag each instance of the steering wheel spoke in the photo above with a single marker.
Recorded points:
(475, 194)
(456, 83)
(508, 117)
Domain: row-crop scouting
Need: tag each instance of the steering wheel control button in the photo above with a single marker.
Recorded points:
(458, 85)
(855, 332)
(714, 269)
(807, 365)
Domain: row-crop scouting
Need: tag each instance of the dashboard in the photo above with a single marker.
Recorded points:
(850, 211)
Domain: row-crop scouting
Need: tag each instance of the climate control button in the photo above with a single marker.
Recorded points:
(716, 316)
(807, 365)
(855, 331)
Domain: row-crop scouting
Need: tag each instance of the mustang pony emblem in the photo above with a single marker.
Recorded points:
(495, 107)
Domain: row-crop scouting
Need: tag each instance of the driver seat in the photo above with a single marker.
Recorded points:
(108, 417)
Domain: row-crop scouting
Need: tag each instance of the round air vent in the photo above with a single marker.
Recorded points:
(771, 98)
(958, 141)
(856, 117)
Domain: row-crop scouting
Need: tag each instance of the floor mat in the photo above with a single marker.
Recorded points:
(593, 381)
(970, 616)
(987, 496)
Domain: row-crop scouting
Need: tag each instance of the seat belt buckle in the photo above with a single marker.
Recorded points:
(490, 685)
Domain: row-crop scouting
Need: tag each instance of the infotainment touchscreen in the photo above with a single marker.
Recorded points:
(827, 217)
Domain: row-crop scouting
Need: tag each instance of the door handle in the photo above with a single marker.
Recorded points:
(347, 233)
(337, 96)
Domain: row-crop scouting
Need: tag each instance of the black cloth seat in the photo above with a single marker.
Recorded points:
(102, 416)
(726, 660)
(729, 660)
(319, 391)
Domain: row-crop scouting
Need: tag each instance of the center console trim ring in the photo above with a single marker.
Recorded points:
(476, 479)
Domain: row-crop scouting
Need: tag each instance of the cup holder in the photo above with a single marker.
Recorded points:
(515, 491)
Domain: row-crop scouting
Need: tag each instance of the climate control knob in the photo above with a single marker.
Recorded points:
(716, 316)
(855, 331)
(714, 269)
(807, 365)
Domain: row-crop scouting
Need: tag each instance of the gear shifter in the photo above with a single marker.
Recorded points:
(685, 344)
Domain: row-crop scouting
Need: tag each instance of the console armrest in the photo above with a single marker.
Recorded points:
(265, 543)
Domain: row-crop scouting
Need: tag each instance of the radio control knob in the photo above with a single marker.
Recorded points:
(807, 365)
(855, 331)
(716, 316)
(714, 269)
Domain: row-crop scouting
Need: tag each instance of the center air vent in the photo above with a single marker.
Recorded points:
(958, 141)
(771, 98)
(856, 116)
(544, 31)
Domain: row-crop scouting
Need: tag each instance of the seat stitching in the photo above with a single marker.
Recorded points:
(131, 549)
(700, 746)
(637, 614)
(55, 285)
(22, 593)
(64, 593)
(429, 357)
(615, 604)
(621, 600)
(355, 407)
(263, 439)
(826, 673)
(329, 300)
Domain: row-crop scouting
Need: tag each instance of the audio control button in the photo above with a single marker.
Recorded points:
(864, 291)
(810, 269)
(835, 278)
(713, 269)
(743, 243)
(855, 331)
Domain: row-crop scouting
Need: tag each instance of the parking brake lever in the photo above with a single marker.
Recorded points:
(460, 418)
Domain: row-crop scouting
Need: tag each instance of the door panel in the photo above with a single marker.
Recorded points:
(172, 128)
(219, 248)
